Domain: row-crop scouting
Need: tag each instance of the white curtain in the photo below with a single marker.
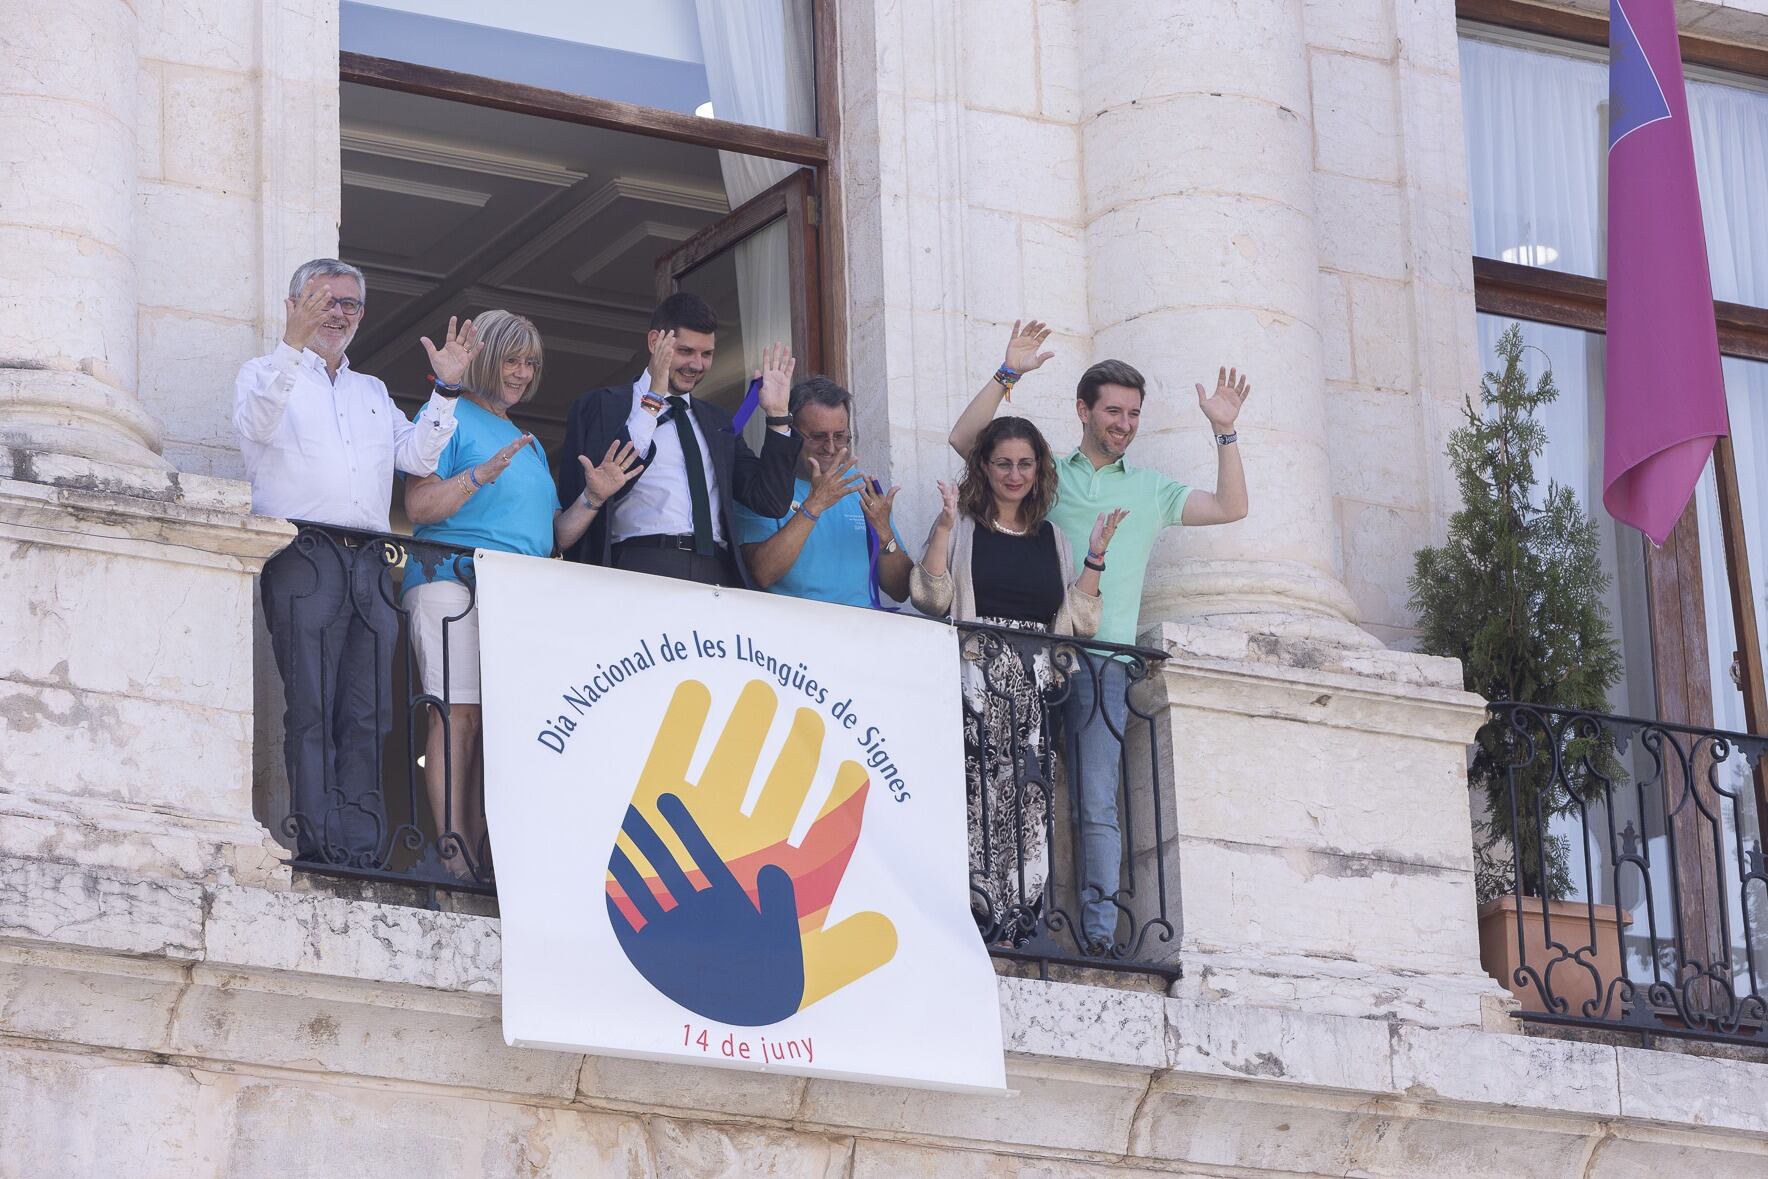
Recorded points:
(758, 68)
(1535, 150)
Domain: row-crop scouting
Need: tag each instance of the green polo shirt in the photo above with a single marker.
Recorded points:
(1154, 502)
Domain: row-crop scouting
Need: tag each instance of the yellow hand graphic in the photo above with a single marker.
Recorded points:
(748, 843)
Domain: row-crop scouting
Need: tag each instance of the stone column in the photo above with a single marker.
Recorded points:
(1198, 184)
(126, 587)
(67, 280)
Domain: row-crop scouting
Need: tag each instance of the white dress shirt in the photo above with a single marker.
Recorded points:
(325, 451)
(660, 502)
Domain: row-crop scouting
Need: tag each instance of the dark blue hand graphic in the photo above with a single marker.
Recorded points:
(713, 952)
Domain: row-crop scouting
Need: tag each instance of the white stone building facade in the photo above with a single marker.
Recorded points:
(1276, 184)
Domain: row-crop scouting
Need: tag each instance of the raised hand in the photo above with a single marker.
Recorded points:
(497, 464)
(662, 358)
(876, 503)
(1023, 345)
(744, 943)
(459, 346)
(830, 487)
(775, 374)
(948, 504)
(618, 467)
(1104, 528)
(304, 314)
(1223, 406)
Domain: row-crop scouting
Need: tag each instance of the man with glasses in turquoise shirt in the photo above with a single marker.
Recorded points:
(1094, 478)
(822, 548)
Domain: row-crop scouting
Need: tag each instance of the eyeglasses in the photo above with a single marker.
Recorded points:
(840, 440)
(350, 307)
(1008, 466)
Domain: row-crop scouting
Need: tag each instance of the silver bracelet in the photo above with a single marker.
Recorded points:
(1226, 439)
(591, 504)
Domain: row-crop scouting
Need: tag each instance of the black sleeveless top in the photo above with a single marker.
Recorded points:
(1016, 577)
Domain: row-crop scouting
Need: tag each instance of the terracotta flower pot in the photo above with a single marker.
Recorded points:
(1583, 933)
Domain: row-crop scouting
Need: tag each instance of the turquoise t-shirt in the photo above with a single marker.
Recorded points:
(512, 515)
(1153, 501)
(834, 565)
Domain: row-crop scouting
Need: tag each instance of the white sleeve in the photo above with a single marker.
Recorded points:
(261, 393)
(417, 446)
(641, 424)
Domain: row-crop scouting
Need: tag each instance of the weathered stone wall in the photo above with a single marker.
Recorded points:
(219, 1032)
(1281, 190)
(236, 183)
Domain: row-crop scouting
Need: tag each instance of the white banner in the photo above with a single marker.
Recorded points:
(729, 829)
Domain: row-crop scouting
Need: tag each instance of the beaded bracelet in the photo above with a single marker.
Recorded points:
(1006, 378)
(473, 474)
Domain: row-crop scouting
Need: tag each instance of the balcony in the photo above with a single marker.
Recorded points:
(1101, 696)
(159, 960)
(1631, 893)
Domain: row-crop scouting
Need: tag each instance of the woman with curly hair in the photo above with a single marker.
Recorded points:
(994, 558)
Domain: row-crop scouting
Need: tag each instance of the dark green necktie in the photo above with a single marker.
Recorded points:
(696, 468)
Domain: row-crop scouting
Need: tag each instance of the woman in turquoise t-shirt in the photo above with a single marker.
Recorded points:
(491, 490)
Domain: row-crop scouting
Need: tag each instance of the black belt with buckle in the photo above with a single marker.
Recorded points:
(679, 542)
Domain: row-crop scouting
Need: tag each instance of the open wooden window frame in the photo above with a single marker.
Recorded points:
(822, 252)
(793, 201)
(1673, 573)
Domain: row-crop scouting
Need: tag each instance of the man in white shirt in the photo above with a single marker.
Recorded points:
(321, 442)
(676, 517)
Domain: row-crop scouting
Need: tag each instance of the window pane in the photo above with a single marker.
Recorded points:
(1573, 457)
(748, 290)
(1746, 395)
(1534, 151)
(1536, 122)
(748, 61)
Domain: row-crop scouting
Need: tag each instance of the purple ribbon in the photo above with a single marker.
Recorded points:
(746, 410)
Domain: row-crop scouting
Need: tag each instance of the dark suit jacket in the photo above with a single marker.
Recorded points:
(761, 483)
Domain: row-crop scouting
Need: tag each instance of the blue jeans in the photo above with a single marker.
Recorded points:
(1095, 714)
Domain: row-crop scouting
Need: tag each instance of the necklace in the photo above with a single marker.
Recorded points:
(999, 527)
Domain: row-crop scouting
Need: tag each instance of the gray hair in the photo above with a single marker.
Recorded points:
(306, 272)
(822, 391)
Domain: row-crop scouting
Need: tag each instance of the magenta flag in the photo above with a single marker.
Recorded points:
(1665, 391)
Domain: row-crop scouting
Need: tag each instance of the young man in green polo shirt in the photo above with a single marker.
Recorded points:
(1094, 478)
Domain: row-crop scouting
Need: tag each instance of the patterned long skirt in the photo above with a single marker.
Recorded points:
(1008, 771)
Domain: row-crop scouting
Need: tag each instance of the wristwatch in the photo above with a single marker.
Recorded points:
(1226, 439)
(890, 546)
(779, 419)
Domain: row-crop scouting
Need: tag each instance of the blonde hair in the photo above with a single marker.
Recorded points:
(503, 334)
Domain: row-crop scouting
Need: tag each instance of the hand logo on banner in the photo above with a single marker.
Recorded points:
(714, 907)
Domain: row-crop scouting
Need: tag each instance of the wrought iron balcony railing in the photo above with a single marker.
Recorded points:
(1070, 785)
(372, 814)
(1068, 788)
(1623, 872)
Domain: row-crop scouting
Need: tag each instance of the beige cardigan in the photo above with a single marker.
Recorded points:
(953, 594)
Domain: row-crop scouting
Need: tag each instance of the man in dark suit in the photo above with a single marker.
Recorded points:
(676, 518)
